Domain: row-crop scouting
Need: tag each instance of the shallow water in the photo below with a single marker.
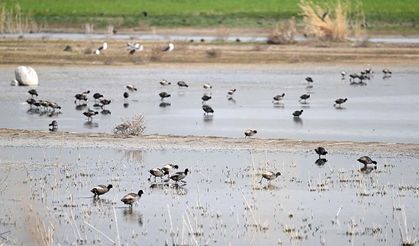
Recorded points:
(221, 203)
(382, 110)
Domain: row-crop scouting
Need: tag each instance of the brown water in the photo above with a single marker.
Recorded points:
(221, 203)
(382, 110)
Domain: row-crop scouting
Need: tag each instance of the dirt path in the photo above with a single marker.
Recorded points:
(26, 138)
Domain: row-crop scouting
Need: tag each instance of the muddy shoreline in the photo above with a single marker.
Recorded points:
(29, 138)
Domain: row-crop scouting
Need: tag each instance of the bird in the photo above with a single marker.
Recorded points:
(31, 101)
(297, 113)
(157, 173)
(89, 114)
(96, 96)
(182, 84)
(269, 175)
(386, 71)
(126, 95)
(53, 105)
(309, 79)
(131, 198)
(207, 109)
(164, 95)
(343, 74)
(81, 96)
(205, 98)
(170, 47)
(104, 102)
(231, 92)
(178, 176)
(340, 101)
(304, 97)
(33, 92)
(100, 190)
(168, 167)
(131, 88)
(320, 151)
(207, 86)
(164, 82)
(250, 132)
(53, 126)
(104, 46)
(134, 47)
(366, 160)
(278, 98)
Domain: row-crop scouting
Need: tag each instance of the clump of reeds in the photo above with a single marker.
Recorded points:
(13, 20)
(330, 23)
(283, 33)
(131, 127)
(213, 53)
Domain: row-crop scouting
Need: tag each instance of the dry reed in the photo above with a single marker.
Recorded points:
(131, 127)
(13, 20)
(283, 33)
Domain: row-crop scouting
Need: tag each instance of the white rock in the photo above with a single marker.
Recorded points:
(26, 76)
(14, 83)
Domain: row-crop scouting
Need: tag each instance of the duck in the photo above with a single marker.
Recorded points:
(157, 173)
(169, 167)
(320, 151)
(231, 92)
(297, 113)
(131, 88)
(250, 132)
(31, 101)
(164, 95)
(53, 126)
(304, 97)
(131, 198)
(340, 101)
(366, 160)
(343, 74)
(126, 95)
(278, 98)
(269, 175)
(89, 114)
(134, 47)
(164, 82)
(207, 86)
(100, 190)
(105, 102)
(207, 109)
(309, 79)
(97, 96)
(33, 92)
(386, 71)
(205, 98)
(182, 84)
(179, 176)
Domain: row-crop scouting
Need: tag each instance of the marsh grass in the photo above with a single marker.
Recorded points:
(13, 20)
(131, 127)
(283, 33)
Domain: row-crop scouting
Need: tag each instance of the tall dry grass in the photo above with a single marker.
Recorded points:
(329, 23)
(283, 33)
(13, 20)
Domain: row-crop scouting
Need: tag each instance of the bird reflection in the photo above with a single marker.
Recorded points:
(320, 162)
(133, 156)
(270, 187)
(96, 201)
(131, 215)
(90, 124)
(208, 117)
(367, 169)
(231, 99)
(386, 77)
(298, 121)
(164, 104)
(81, 107)
(278, 105)
(105, 112)
(126, 105)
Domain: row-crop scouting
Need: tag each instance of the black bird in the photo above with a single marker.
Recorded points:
(178, 176)
(168, 167)
(386, 71)
(126, 95)
(31, 101)
(100, 190)
(366, 160)
(207, 109)
(231, 92)
(165, 82)
(33, 92)
(96, 96)
(340, 101)
(53, 126)
(304, 97)
(205, 98)
(53, 105)
(89, 114)
(269, 176)
(81, 96)
(320, 151)
(131, 198)
(297, 113)
(309, 79)
(250, 132)
(164, 95)
(278, 98)
(182, 84)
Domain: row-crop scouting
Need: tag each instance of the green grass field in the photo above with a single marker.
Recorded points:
(200, 13)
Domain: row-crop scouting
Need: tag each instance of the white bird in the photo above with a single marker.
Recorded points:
(134, 47)
(169, 48)
(103, 47)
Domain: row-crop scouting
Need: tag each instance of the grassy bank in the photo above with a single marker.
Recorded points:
(232, 13)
